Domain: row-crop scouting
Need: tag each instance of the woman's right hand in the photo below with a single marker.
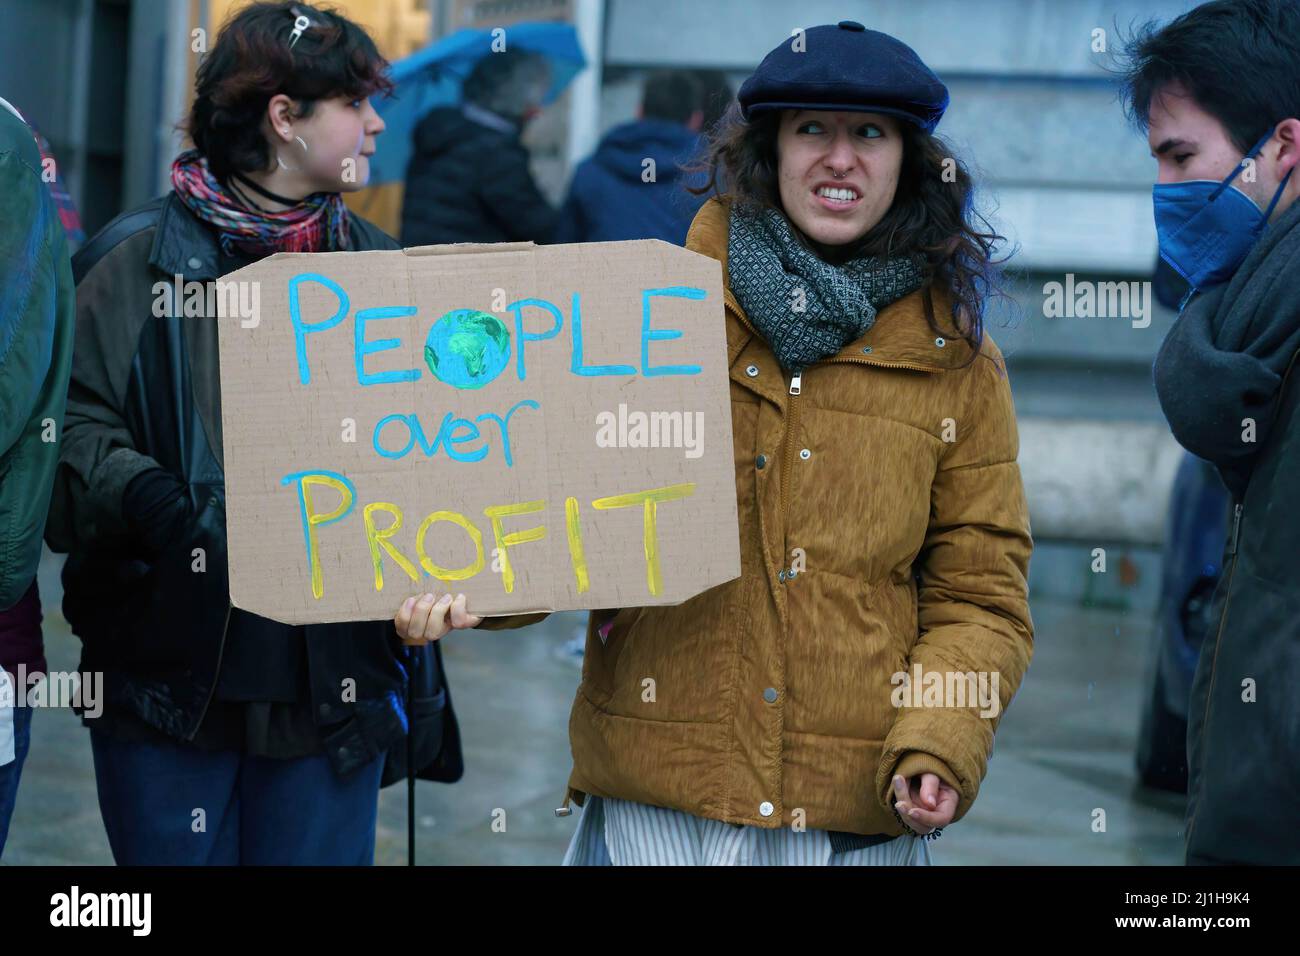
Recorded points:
(424, 618)
(926, 804)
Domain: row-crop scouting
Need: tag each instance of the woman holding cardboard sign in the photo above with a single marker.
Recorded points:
(837, 702)
(226, 737)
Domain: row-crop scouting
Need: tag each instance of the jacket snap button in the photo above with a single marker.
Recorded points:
(194, 262)
(765, 808)
(751, 371)
(805, 454)
(324, 710)
(940, 343)
(760, 461)
(780, 575)
(866, 350)
(769, 695)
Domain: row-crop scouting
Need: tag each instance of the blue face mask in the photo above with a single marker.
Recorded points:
(1205, 228)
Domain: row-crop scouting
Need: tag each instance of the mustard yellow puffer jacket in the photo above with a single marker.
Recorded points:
(883, 527)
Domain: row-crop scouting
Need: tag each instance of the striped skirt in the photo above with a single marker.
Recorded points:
(622, 833)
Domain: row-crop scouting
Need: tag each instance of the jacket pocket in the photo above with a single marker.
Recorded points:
(677, 662)
(600, 659)
(891, 611)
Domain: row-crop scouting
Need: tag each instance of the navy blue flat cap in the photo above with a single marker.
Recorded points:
(845, 66)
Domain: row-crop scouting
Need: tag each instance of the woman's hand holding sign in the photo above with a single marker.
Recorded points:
(422, 619)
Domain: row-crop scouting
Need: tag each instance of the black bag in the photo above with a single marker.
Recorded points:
(432, 722)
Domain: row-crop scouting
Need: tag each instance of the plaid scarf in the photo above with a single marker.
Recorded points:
(317, 224)
(806, 308)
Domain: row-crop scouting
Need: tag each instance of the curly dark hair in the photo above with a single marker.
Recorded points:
(932, 215)
(252, 61)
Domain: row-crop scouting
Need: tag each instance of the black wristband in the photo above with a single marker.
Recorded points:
(932, 835)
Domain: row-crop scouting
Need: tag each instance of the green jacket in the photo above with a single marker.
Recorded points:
(36, 326)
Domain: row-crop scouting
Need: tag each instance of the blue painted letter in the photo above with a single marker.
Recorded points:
(521, 336)
(364, 348)
(576, 366)
(300, 330)
(648, 334)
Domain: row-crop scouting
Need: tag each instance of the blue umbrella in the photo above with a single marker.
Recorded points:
(433, 77)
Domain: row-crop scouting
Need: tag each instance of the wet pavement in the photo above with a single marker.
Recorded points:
(1064, 750)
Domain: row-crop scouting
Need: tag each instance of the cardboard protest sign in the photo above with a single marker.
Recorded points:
(539, 427)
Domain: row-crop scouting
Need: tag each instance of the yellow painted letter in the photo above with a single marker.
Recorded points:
(651, 499)
(311, 519)
(379, 539)
(504, 541)
(573, 527)
(447, 574)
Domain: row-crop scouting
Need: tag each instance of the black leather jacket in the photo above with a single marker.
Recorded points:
(145, 391)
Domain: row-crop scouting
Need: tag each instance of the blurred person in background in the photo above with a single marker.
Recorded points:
(225, 737)
(468, 179)
(632, 187)
(715, 96)
(36, 338)
(875, 545)
(1217, 91)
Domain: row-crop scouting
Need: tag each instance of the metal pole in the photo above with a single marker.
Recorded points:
(413, 658)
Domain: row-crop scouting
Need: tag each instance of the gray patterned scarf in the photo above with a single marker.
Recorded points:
(804, 307)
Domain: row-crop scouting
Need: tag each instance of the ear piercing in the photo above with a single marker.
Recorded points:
(292, 169)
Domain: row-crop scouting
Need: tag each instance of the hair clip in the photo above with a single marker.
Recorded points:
(299, 25)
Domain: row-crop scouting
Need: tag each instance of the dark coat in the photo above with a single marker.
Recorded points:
(1243, 794)
(1226, 379)
(469, 183)
(610, 199)
(145, 392)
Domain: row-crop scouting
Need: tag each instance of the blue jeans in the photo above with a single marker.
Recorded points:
(10, 772)
(173, 804)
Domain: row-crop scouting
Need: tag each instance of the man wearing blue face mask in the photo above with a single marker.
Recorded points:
(1218, 91)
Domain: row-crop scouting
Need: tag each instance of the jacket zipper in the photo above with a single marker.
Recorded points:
(791, 436)
(787, 457)
(1237, 506)
(1218, 635)
(1227, 598)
